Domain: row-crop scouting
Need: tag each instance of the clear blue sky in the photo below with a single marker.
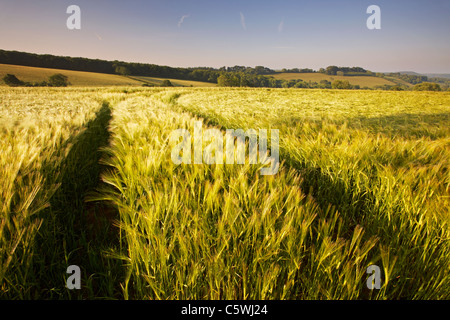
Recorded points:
(414, 35)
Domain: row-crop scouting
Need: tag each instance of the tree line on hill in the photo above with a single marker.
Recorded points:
(419, 79)
(109, 67)
(410, 78)
(240, 79)
(242, 76)
(345, 71)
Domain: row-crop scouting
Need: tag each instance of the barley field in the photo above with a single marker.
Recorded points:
(87, 179)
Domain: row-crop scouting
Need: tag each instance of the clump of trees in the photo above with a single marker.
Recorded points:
(12, 81)
(341, 84)
(348, 71)
(242, 79)
(258, 70)
(166, 83)
(56, 80)
(427, 86)
(297, 70)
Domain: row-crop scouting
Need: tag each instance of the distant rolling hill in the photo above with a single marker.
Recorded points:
(175, 82)
(438, 75)
(76, 78)
(362, 81)
(412, 73)
(88, 79)
(429, 75)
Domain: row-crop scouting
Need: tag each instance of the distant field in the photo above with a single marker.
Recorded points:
(176, 82)
(76, 78)
(363, 81)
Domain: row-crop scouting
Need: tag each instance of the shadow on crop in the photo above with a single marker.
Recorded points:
(76, 232)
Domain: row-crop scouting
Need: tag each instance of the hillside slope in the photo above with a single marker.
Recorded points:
(76, 78)
(176, 82)
(82, 79)
(362, 81)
